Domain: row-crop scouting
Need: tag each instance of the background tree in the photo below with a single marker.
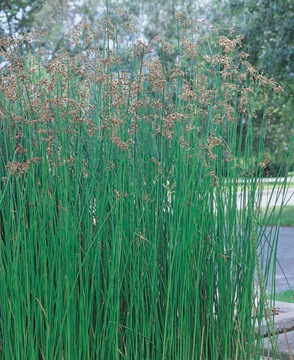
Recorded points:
(268, 30)
(56, 16)
(18, 15)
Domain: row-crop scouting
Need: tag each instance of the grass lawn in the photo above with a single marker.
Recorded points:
(286, 217)
(270, 184)
(286, 296)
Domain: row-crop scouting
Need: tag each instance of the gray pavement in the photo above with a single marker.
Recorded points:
(284, 277)
(284, 326)
(285, 250)
(269, 198)
(285, 256)
(285, 344)
(277, 197)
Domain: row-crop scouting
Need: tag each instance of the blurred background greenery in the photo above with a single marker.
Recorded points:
(267, 26)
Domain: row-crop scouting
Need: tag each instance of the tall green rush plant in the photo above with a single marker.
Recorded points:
(130, 225)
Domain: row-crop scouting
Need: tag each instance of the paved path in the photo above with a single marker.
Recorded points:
(285, 256)
(285, 251)
(270, 198)
(277, 197)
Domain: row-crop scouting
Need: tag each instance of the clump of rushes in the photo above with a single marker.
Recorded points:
(121, 235)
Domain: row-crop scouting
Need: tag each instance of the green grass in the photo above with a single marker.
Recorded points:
(284, 216)
(120, 235)
(275, 183)
(272, 185)
(285, 296)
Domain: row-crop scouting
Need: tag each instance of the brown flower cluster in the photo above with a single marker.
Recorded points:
(156, 75)
(229, 45)
(20, 168)
(49, 106)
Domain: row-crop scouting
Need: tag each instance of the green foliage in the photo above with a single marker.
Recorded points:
(285, 296)
(284, 216)
(267, 27)
(18, 15)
